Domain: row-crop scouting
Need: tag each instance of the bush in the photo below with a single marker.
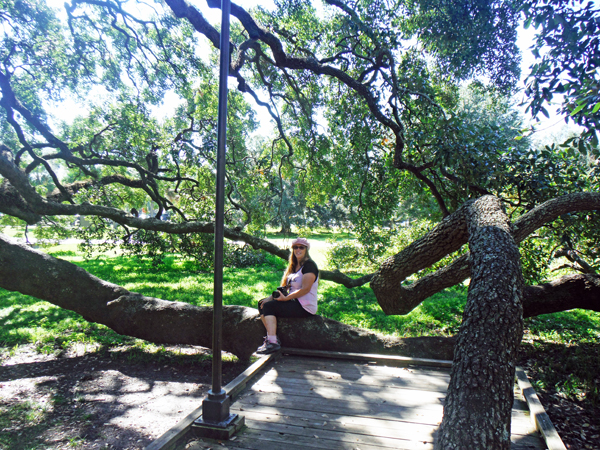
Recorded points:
(242, 256)
(344, 255)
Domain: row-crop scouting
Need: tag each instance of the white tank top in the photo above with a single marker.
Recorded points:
(308, 301)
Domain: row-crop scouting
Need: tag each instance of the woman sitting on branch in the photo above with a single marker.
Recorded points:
(301, 280)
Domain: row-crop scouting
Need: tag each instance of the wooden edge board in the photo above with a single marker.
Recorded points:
(170, 438)
(400, 361)
(539, 417)
(236, 386)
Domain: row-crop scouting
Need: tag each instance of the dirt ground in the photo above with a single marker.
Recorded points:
(99, 400)
(119, 400)
(577, 420)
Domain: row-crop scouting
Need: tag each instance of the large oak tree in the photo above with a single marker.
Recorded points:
(365, 100)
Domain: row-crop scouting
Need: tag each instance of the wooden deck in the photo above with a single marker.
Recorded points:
(317, 403)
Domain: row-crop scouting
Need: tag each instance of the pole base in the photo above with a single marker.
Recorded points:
(221, 430)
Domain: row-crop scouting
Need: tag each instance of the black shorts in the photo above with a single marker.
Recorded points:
(291, 308)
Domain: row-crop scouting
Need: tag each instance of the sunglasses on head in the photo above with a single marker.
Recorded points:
(298, 247)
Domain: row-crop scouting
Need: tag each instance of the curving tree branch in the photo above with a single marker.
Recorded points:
(447, 237)
(61, 283)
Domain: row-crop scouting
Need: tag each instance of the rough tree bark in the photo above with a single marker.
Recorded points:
(477, 410)
(568, 292)
(59, 282)
(396, 297)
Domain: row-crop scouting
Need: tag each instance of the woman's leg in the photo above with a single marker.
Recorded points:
(271, 343)
(269, 311)
(261, 305)
(271, 325)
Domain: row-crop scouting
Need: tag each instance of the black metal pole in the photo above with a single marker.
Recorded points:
(215, 408)
(220, 206)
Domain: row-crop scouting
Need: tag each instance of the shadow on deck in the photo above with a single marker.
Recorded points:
(323, 400)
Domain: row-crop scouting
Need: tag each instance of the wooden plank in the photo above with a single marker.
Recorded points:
(350, 368)
(362, 385)
(418, 414)
(359, 374)
(538, 414)
(421, 414)
(325, 439)
(391, 396)
(521, 425)
(333, 391)
(399, 361)
(333, 437)
(294, 402)
(420, 399)
(235, 387)
(359, 425)
(367, 383)
(252, 439)
(358, 371)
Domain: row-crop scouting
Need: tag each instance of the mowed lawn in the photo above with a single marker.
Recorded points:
(27, 320)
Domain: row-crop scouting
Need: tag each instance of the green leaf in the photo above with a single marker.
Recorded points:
(579, 108)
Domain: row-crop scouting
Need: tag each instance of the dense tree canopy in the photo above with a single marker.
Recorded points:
(354, 91)
(376, 107)
(568, 52)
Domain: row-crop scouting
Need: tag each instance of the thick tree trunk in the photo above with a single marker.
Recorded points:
(34, 273)
(447, 237)
(477, 410)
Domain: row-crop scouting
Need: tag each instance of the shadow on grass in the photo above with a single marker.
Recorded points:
(105, 399)
(570, 370)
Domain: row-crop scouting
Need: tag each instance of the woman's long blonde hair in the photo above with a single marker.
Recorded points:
(293, 262)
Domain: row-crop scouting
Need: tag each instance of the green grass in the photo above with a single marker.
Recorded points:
(25, 320)
(439, 315)
(12, 231)
(567, 327)
(20, 422)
